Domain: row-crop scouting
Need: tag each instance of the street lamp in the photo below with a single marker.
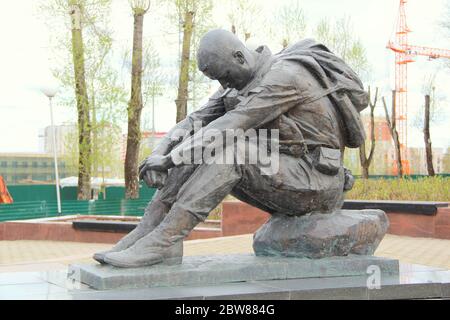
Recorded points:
(50, 92)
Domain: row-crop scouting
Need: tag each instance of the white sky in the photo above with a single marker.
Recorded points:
(25, 54)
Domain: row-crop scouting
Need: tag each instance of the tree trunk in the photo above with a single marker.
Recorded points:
(134, 112)
(391, 122)
(94, 131)
(396, 137)
(398, 155)
(427, 137)
(84, 123)
(363, 161)
(365, 172)
(183, 82)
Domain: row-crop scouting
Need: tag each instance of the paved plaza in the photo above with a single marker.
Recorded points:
(38, 270)
(25, 256)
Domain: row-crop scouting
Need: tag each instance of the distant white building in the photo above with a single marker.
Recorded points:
(62, 133)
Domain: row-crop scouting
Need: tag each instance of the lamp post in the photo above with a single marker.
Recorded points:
(51, 92)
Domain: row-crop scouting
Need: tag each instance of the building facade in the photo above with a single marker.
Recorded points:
(26, 168)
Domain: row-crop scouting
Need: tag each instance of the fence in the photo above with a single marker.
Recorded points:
(45, 209)
(22, 193)
(39, 201)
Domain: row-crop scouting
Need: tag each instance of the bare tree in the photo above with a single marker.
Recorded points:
(140, 8)
(433, 113)
(392, 124)
(364, 159)
(84, 121)
(427, 137)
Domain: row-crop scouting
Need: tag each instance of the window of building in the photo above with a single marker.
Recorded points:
(35, 164)
(44, 164)
(24, 164)
(14, 164)
(4, 164)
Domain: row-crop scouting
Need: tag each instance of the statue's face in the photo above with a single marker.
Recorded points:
(233, 71)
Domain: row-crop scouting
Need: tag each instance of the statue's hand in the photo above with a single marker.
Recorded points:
(155, 162)
(154, 170)
(155, 179)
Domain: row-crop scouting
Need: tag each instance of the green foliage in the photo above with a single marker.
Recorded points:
(422, 189)
(446, 161)
(108, 161)
(289, 25)
(199, 85)
(242, 15)
(106, 89)
(154, 78)
(338, 36)
(351, 160)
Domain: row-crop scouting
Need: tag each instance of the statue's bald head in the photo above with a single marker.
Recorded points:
(222, 56)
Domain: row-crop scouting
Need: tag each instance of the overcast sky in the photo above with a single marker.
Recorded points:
(25, 56)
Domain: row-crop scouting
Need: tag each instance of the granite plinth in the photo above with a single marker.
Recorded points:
(211, 270)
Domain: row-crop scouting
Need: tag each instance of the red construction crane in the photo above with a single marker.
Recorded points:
(404, 54)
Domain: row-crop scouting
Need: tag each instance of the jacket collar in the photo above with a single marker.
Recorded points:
(264, 60)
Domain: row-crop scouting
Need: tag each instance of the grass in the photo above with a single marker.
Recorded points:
(422, 189)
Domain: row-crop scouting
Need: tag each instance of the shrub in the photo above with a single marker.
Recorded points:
(421, 189)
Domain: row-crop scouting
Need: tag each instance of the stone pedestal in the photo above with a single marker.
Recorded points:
(322, 235)
(220, 269)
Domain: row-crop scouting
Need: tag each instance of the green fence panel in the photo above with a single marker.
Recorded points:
(21, 193)
(69, 193)
(32, 192)
(26, 210)
(115, 193)
(23, 211)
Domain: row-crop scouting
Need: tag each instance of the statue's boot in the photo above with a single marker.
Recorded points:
(153, 216)
(194, 201)
(158, 246)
